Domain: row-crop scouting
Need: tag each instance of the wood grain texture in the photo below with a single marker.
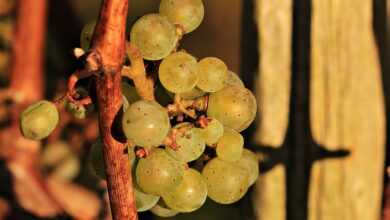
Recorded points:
(274, 19)
(347, 110)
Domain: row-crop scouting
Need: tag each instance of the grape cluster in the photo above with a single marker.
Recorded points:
(186, 144)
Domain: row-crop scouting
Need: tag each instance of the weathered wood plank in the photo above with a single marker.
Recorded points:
(347, 110)
(273, 90)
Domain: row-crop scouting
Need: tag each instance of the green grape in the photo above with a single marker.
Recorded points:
(178, 72)
(96, 160)
(189, 141)
(226, 183)
(154, 36)
(86, 35)
(230, 145)
(190, 195)
(130, 92)
(39, 120)
(187, 13)
(212, 74)
(144, 201)
(62, 163)
(79, 112)
(213, 132)
(192, 94)
(158, 172)
(233, 106)
(146, 123)
(251, 164)
(160, 209)
(233, 79)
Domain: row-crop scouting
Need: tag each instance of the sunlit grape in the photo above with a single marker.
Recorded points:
(39, 120)
(154, 36)
(146, 123)
(230, 145)
(178, 72)
(189, 195)
(250, 163)
(233, 106)
(226, 182)
(190, 144)
(86, 35)
(144, 201)
(212, 74)
(159, 172)
(187, 13)
(213, 132)
(233, 79)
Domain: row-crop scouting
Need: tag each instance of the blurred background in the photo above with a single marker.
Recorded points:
(320, 72)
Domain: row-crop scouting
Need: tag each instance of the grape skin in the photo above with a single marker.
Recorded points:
(233, 79)
(158, 173)
(226, 182)
(187, 13)
(161, 210)
(233, 106)
(213, 132)
(190, 195)
(39, 120)
(178, 72)
(212, 74)
(250, 163)
(144, 201)
(230, 145)
(154, 36)
(146, 123)
(192, 94)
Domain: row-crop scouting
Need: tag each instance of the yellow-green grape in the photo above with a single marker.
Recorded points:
(160, 209)
(146, 123)
(79, 112)
(212, 74)
(144, 201)
(213, 132)
(233, 79)
(234, 106)
(87, 34)
(39, 120)
(154, 36)
(226, 182)
(158, 172)
(130, 92)
(251, 164)
(190, 195)
(59, 159)
(230, 145)
(190, 144)
(187, 13)
(96, 159)
(192, 94)
(178, 72)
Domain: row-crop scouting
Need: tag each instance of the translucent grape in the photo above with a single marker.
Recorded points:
(96, 159)
(79, 112)
(144, 201)
(230, 145)
(226, 182)
(212, 74)
(62, 163)
(130, 92)
(146, 123)
(233, 106)
(190, 195)
(39, 120)
(154, 36)
(233, 79)
(193, 93)
(158, 172)
(250, 163)
(178, 72)
(189, 142)
(213, 132)
(161, 210)
(86, 35)
(187, 13)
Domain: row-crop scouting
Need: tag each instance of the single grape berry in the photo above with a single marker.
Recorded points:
(233, 106)
(39, 120)
(250, 162)
(230, 145)
(144, 201)
(78, 111)
(233, 79)
(154, 36)
(187, 13)
(213, 132)
(212, 74)
(161, 209)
